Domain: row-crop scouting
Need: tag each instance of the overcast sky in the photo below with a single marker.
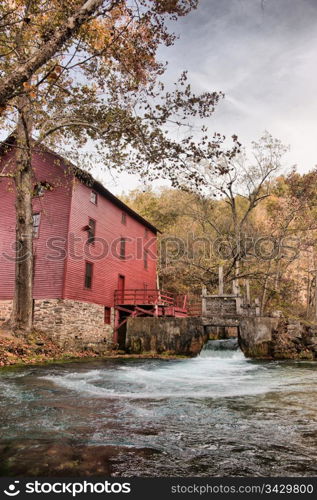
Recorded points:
(264, 57)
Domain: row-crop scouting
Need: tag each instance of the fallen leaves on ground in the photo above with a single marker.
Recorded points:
(34, 348)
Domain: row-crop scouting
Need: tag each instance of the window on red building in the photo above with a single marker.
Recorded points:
(93, 197)
(91, 230)
(40, 188)
(122, 248)
(123, 218)
(107, 315)
(88, 274)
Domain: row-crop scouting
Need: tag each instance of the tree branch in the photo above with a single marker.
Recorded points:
(22, 73)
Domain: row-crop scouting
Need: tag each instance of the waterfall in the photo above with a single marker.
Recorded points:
(225, 348)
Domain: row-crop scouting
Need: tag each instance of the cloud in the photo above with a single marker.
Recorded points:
(264, 59)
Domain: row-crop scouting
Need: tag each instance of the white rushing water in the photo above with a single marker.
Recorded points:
(215, 373)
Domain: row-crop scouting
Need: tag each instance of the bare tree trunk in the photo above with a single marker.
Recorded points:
(220, 291)
(235, 282)
(277, 276)
(310, 264)
(22, 316)
(308, 295)
(264, 293)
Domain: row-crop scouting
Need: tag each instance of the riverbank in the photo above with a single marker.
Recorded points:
(286, 339)
(34, 349)
(38, 348)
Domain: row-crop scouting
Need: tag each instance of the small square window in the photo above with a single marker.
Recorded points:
(36, 225)
(91, 231)
(93, 197)
(40, 188)
(107, 315)
(88, 274)
(124, 218)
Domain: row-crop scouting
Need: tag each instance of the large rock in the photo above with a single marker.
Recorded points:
(255, 336)
(294, 340)
(277, 338)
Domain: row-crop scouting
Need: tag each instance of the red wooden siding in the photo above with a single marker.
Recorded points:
(7, 235)
(54, 208)
(109, 231)
(65, 213)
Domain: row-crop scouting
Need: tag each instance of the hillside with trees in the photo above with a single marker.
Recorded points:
(259, 224)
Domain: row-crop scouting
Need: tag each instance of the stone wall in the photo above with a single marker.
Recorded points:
(184, 336)
(72, 324)
(221, 332)
(294, 340)
(255, 336)
(276, 338)
(219, 306)
(5, 310)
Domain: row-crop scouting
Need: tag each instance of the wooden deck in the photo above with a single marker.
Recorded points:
(145, 302)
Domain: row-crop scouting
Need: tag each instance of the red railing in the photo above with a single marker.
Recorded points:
(194, 306)
(149, 297)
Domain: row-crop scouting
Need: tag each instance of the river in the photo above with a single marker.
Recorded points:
(216, 415)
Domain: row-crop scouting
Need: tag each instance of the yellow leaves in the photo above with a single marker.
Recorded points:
(52, 77)
(54, 74)
(27, 86)
(98, 33)
(30, 89)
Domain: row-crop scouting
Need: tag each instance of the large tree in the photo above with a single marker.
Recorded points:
(98, 82)
(223, 222)
(241, 184)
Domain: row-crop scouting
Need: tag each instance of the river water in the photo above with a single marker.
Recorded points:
(216, 415)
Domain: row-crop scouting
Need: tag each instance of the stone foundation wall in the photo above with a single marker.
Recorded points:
(221, 332)
(72, 324)
(5, 310)
(184, 336)
(256, 334)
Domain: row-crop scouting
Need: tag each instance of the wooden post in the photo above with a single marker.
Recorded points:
(257, 307)
(235, 289)
(220, 280)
